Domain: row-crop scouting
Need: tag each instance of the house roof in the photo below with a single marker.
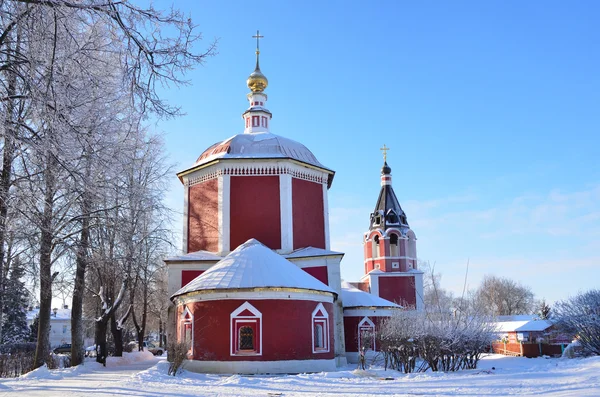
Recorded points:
(61, 314)
(521, 324)
(194, 257)
(253, 265)
(353, 297)
(311, 252)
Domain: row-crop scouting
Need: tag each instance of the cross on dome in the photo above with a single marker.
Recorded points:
(257, 37)
(384, 149)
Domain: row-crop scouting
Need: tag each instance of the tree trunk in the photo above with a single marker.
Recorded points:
(100, 340)
(46, 278)
(117, 334)
(8, 156)
(77, 345)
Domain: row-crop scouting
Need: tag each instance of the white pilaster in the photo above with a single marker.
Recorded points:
(224, 183)
(419, 292)
(374, 284)
(326, 215)
(287, 217)
(186, 214)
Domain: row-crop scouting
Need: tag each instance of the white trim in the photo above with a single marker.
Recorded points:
(224, 212)
(256, 167)
(374, 284)
(366, 320)
(186, 220)
(260, 367)
(390, 257)
(420, 304)
(324, 321)
(256, 295)
(326, 216)
(370, 312)
(286, 211)
(235, 317)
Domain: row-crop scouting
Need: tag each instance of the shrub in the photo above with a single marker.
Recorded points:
(177, 354)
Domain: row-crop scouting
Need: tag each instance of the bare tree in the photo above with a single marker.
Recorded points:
(580, 315)
(501, 296)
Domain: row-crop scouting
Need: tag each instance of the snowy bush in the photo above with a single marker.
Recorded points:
(580, 315)
(177, 354)
(444, 342)
(16, 364)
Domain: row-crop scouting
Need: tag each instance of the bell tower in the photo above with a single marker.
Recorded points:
(390, 249)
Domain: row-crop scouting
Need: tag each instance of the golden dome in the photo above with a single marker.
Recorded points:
(257, 81)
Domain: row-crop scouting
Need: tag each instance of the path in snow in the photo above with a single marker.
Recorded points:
(496, 376)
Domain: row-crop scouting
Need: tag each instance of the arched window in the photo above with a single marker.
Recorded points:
(366, 334)
(319, 340)
(412, 245)
(246, 331)
(320, 326)
(394, 248)
(186, 329)
(375, 247)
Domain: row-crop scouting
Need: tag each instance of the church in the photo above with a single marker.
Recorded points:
(258, 288)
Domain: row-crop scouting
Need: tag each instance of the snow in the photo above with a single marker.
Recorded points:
(311, 252)
(523, 325)
(253, 265)
(496, 376)
(195, 256)
(259, 145)
(353, 297)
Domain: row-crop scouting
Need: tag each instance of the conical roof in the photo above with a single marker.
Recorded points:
(353, 297)
(253, 265)
(388, 207)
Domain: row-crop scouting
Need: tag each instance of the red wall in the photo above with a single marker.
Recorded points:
(286, 331)
(203, 220)
(307, 211)
(189, 275)
(318, 272)
(255, 211)
(400, 290)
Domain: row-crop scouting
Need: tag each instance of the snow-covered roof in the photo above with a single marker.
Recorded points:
(195, 256)
(522, 325)
(61, 314)
(253, 265)
(310, 252)
(258, 145)
(353, 297)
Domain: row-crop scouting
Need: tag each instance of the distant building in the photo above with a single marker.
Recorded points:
(60, 324)
(528, 336)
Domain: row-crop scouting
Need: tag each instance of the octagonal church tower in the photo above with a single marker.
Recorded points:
(262, 186)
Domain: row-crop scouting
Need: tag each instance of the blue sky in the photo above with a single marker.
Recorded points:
(491, 110)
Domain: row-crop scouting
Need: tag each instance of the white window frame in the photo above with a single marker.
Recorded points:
(234, 319)
(322, 320)
(187, 317)
(370, 324)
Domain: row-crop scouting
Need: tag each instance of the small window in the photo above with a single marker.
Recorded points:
(255, 121)
(64, 329)
(395, 265)
(246, 339)
(319, 337)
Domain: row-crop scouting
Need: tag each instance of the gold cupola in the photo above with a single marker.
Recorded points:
(257, 82)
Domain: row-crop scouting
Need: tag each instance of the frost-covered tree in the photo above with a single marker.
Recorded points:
(580, 316)
(501, 296)
(16, 299)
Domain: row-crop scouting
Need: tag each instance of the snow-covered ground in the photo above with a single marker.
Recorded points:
(140, 374)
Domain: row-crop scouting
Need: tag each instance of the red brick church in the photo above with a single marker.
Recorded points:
(258, 288)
